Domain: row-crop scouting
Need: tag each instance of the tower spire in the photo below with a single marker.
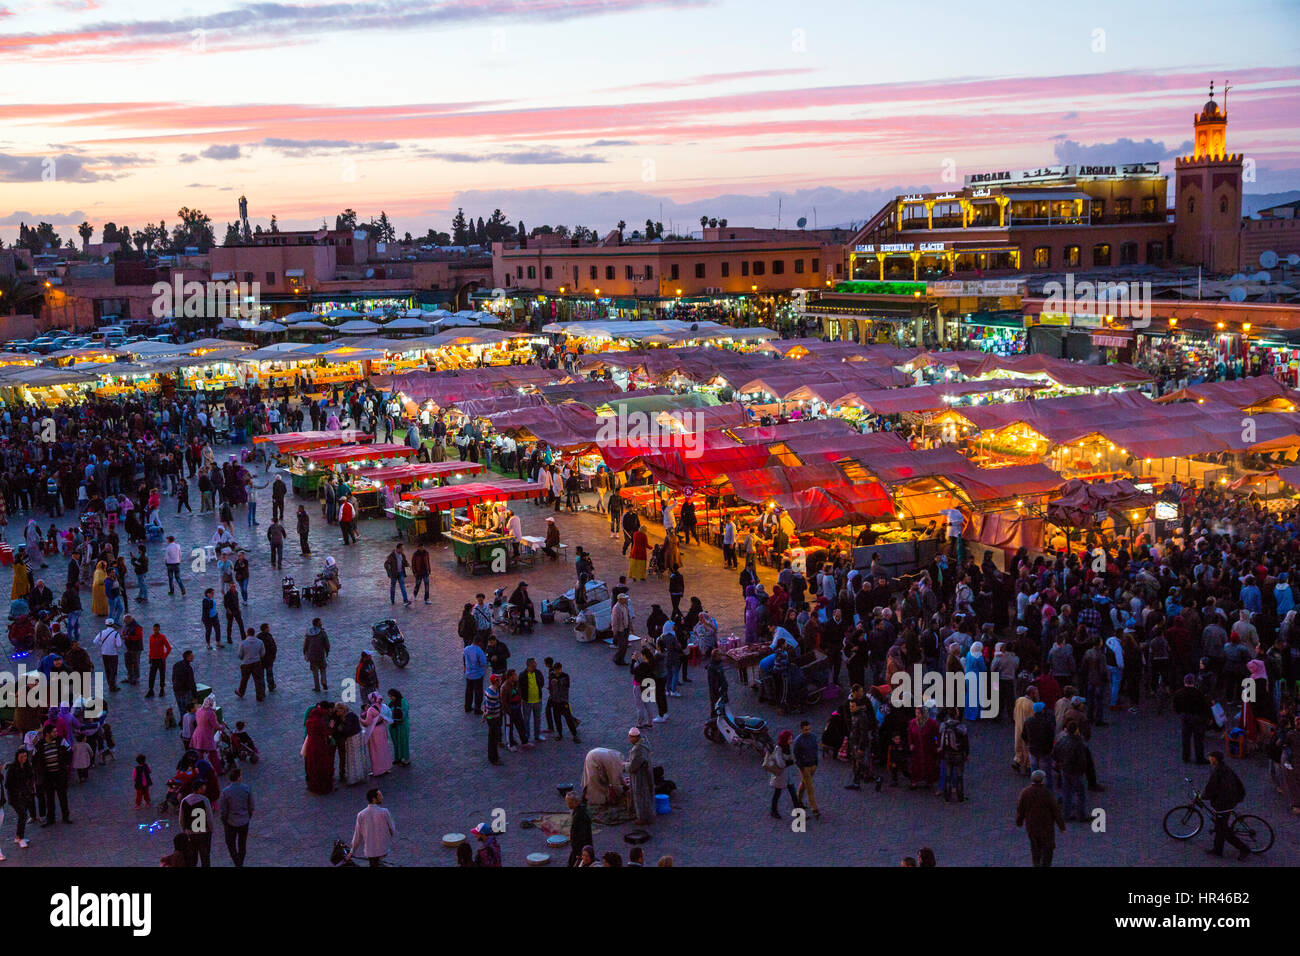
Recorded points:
(1225, 97)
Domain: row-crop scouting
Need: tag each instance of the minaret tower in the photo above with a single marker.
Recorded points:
(1207, 190)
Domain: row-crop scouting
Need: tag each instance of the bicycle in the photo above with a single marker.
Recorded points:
(1185, 822)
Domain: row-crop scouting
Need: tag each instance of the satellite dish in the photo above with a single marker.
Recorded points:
(107, 259)
(1268, 259)
(1238, 294)
(1262, 277)
(381, 247)
(358, 234)
(1293, 259)
(370, 273)
(801, 221)
(1238, 277)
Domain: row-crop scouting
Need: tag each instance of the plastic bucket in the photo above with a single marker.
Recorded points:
(662, 804)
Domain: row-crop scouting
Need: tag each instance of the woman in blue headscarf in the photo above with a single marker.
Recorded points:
(976, 686)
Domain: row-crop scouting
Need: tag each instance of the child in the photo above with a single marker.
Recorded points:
(143, 780)
(897, 759)
(246, 742)
(82, 757)
(188, 723)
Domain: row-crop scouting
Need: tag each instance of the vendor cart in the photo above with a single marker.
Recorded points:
(481, 551)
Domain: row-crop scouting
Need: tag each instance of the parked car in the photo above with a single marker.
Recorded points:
(43, 344)
(168, 339)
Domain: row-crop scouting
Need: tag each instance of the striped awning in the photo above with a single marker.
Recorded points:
(1117, 340)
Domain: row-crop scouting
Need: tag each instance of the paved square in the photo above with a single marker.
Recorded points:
(719, 812)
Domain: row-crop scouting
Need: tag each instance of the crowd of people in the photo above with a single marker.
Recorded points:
(1194, 618)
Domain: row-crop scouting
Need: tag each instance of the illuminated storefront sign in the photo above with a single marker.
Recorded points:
(979, 287)
(903, 247)
(871, 287)
(1044, 174)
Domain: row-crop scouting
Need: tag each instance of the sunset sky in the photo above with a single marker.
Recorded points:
(588, 111)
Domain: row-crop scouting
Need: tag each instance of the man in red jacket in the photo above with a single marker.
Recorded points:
(347, 520)
(159, 648)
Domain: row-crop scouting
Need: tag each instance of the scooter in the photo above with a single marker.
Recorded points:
(386, 638)
(725, 727)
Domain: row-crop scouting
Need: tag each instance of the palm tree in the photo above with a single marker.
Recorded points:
(19, 295)
(86, 230)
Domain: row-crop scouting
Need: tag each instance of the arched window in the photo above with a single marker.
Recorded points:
(1223, 204)
(1191, 205)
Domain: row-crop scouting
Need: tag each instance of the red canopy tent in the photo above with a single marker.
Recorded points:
(292, 442)
(571, 428)
(472, 492)
(419, 471)
(327, 457)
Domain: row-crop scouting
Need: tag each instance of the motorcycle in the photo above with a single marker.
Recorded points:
(386, 638)
(726, 727)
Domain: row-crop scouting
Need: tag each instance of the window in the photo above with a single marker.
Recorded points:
(1124, 207)
(1098, 208)
(744, 267)
(1071, 256)
(593, 272)
(1042, 257)
(270, 276)
(798, 266)
(759, 267)
(649, 271)
(575, 275)
(674, 271)
(507, 278)
(609, 272)
(1223, 204)
(532, 272)
(627, 273)
(519, 272)
(1101, 254)
(839, 267)
(699, 270)
(1128, 254)
(817, 265)
(778, 267)
(726, 269)
(1149, 206)
(546, 271)
(1191, 205)
(1155, 251)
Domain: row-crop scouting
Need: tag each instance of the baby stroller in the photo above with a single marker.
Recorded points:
(289, 591)
(657, 561)
(99, 734)
(182, 783)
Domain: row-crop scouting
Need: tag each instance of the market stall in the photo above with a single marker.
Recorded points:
(387, 485)
(477, 539)
(310, 468)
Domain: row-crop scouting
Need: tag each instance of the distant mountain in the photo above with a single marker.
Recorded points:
(1252, 203)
